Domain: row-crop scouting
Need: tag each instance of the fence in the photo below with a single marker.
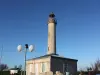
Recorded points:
(47, 73)
(22, 73)
(8, 73)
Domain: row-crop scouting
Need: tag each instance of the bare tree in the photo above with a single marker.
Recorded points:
(96, 65)
(15, 66)
(3, 66)
(88, 69)
(20, 67)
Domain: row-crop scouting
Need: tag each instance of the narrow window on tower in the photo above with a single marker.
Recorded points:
(48, 48)
(49, 34)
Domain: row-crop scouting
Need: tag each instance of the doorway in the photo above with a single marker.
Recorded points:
(36, 69)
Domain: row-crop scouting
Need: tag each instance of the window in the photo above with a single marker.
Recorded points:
(48, 48)
(43, 67)
(66, 67)
(31, 65)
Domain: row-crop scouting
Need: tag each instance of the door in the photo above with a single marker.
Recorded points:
(36, 69)
(31, 66)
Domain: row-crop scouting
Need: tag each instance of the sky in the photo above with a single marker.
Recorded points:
(25, 22)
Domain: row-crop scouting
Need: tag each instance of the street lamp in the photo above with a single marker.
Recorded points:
(31, 48)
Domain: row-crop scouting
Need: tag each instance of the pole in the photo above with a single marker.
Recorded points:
(21, 72)
(25, 62)
(1, 54)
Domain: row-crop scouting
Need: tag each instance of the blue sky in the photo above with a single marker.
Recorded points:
(78, 29)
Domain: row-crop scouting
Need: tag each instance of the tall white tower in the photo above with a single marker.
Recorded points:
(51, 34)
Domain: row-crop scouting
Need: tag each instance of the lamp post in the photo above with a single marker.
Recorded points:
(31, 48)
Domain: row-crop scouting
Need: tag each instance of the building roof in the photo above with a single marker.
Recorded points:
(42, 56)
(61, 57)
(53, 55)
(14, 69)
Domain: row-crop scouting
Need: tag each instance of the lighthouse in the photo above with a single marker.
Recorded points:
(51, 34)
(51, 63)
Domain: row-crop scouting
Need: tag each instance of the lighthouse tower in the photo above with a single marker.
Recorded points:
(51, 34)
(49, 63)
